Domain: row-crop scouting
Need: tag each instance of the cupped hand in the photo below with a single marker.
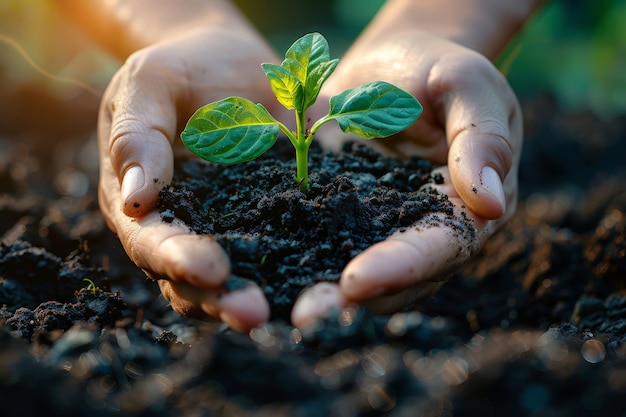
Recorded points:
(143, 110)
(471, 125)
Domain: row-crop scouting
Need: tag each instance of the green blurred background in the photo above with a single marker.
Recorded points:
(573, 49)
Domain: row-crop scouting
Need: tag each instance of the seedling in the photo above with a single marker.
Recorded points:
(236, 130)
(91, 286)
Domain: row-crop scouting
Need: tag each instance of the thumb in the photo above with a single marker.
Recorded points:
(479, 161)
(136, 129)
(484, 134)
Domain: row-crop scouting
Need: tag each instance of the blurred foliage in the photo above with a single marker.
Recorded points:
(283, 21)
(32, 35)
(575, 49)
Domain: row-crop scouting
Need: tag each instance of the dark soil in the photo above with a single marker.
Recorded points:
(285, 240)
(534, 325)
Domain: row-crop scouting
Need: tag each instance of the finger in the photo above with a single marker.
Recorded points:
(409, 297)
(169, 251)
(192, 271)
(405, 259)
(316, 303)
(410, 266)
(242, 309)
(137, 126)
(483, 127)
(162, 250)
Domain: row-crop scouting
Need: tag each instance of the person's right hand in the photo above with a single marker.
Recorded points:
(471, 128)
(143, 110)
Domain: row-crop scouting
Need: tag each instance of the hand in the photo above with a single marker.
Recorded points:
(471, 122)
(143, 109)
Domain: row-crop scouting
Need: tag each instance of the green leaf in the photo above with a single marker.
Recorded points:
(230, 130)
(308, 59)
(316, 79)
(287, 88)
(305, 54)
(374, 110)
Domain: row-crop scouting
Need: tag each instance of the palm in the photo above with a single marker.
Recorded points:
(471, 120)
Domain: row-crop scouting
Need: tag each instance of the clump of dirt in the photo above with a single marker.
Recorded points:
(32, 275)
(285, 240)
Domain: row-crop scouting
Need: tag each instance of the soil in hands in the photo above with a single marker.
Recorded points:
(285, 240)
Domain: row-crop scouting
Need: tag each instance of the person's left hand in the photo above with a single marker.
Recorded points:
(472, 125)
(144, 107)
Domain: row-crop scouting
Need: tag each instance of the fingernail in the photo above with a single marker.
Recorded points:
(134, 179)
(491, 181)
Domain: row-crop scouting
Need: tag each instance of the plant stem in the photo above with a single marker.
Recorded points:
(302, 152)
(302, 162)
(317, 125)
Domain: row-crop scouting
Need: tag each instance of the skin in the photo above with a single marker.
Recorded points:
(181, 55)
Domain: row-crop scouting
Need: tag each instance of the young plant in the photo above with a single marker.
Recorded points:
(91, 286)
(236, 130)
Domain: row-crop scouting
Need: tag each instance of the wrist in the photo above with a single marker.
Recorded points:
(485, 26)
(123, 27)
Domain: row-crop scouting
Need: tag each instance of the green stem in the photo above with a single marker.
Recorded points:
(319, 124)
(302, 152)
(302, 166)
(290, 135)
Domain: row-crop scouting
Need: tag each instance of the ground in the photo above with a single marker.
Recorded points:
(534, 325)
